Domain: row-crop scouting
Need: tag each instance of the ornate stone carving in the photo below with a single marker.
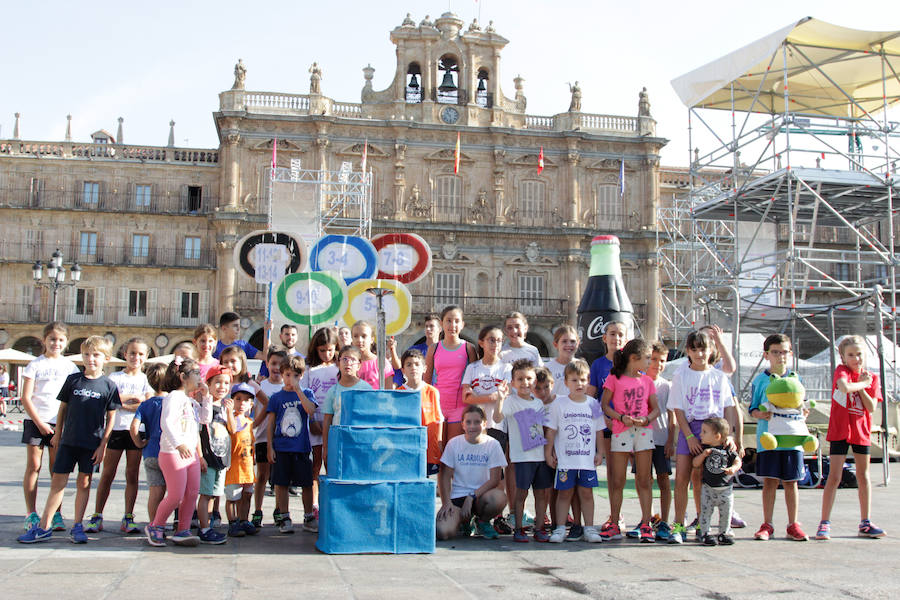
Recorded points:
(474, 26)
(449, 250)
(232, 139)
(521, 101)
(481, 208)
(490, 27)
(532, 252)
(416, 206)
(367, 91)
(400, 150)
(573, 157)
(240, 75)
(575, 104)
(322, 143)
(426, 22)
(408, 22)
(315, 79)
(643, 104)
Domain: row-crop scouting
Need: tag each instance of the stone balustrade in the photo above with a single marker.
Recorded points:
(122, 152)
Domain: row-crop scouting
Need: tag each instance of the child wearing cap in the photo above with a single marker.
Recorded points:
(239, 478)
(215, 443)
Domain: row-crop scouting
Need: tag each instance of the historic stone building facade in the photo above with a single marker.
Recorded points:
(505, 236)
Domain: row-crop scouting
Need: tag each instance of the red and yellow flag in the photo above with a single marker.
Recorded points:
(541, 160)
(456, 156)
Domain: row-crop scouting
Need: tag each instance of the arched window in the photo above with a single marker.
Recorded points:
(447, 196)
(413, 83)
(482, 95)
(448, 89)
(532, 204)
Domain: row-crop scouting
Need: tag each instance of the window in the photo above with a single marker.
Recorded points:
(447, 289)
(482, 96)
(448, 195)
(37, 186)
(137, 303)
(842, 272)
(192, 248)
(88, 245)
(142, 195)
(91, 192)
(190, 305)
(531, 293)
(140, 245)
(609, 204)
(84, 301)
(531, 199)
(413, 86)
(195, 198)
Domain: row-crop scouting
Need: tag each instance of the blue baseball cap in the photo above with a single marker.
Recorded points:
(243, 387)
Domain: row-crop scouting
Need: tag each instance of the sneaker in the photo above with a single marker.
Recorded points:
(646, 532)
(257, 519)
(519, 536)
(155, 535)
(34, 535)
(824, 531)
(95, 523)
(294, 490)
(185, 538)
(725, 540)
(58, 524)
(576, 533)
(502, 527)
(128, 525)
(677, 536)
(77, 535)
(310, 523)
(867, 529)
(634, 533)
(569, 520)
(558, 536)
(736, 521)
(465, 528)
(235, 530)
(277, 517)
(487, 530)
(663, 532)
(709, 540)
(610, 531)
(215, 519)
(541, 535)
(795, 533)
(32, 520)
(591, 536)
(286, 526)
(765, 532)
(212, 537)
(248, 527)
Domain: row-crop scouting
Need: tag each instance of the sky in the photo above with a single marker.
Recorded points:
(159, 61)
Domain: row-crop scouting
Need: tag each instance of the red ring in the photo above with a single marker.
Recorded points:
(410, 239)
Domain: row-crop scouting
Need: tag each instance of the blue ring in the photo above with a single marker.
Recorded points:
(364, 246)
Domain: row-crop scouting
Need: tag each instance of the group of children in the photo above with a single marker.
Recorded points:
(500, 423)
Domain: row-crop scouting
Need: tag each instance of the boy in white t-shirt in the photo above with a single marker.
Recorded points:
(270, 386)
(665, 432)
(575, 450)
(524, 416)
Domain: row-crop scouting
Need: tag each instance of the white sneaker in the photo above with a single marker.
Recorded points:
(559, 535)
(310, 523)
(591, 535)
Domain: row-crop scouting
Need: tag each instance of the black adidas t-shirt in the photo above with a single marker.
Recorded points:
(87, 402)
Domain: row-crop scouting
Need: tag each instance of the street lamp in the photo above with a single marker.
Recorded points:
(56, 276)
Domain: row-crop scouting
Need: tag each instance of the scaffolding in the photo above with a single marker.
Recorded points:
(788, 219)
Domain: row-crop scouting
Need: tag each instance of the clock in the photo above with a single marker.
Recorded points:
(449, 115)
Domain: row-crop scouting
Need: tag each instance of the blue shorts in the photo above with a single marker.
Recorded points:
(68, 456)
(533, 474)
(292, 469)
(786, 465)
(566, 479)
(661, 464)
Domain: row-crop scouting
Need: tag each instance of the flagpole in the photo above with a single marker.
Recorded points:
(269, 293)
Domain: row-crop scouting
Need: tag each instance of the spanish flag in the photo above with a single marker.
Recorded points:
(541, 161)
(456, 156)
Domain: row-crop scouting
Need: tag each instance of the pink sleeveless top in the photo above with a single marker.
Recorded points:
(449, 367)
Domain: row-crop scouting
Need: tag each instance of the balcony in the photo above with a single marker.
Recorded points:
(117, 152)
(106, 315)
(160, 204)
(155, 256)
(493, 306)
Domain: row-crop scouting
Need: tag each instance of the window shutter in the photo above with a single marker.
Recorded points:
(151, 305)
(123, 304)
(99, 304)
(203, 312)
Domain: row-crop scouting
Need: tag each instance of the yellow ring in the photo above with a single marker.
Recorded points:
(401, 295)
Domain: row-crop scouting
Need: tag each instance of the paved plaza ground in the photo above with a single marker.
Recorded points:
(271, 565)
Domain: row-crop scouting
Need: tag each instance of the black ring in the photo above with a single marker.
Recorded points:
(282, 239)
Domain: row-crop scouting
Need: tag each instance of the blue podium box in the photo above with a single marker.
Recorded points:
(393, 517)
(377, 453)
(381, 408)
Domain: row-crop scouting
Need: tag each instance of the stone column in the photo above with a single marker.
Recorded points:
(651, 328)
(226, 275)
(573, 274)
(231, 170)
(321, 158)
(572, 159)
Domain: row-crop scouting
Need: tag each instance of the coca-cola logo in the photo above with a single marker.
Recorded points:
(595, 329)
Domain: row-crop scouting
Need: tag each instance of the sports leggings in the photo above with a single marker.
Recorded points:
(182, 488)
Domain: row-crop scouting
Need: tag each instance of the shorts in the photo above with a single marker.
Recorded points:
(152, 471)
(633, 439)
(786, 465)
(682, 447)
(841, 447)
(566, 479)
(500, 436)
(607, 433)
(261, 452)
(458, 502)
(121, 440)
(32, 436)
(234, 491)
(533, 474)
(432, 469)
(68, 456)
(292, 468)
(212, 482)
(661, 464)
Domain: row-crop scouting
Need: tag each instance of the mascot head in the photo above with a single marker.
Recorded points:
(786, 392)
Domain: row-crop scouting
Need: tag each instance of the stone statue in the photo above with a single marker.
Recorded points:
(643, 104)
(415, 206)
(315, 77)
(521, 101)
(575, 104)
(240, 75)
(481, 211)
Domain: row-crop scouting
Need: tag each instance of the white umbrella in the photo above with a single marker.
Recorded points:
(112, 362)
(164, 359)
(15, 357)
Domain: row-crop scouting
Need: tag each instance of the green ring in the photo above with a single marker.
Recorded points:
(333, 310)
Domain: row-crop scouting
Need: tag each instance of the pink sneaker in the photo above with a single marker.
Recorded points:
(795, 533)
(765, 532)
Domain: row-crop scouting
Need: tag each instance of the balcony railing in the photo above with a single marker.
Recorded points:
(155, 256)
(495, 306)
(152, 316)
(207, 156)
(109, 202)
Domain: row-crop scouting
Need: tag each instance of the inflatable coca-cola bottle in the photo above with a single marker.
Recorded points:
(604, 299)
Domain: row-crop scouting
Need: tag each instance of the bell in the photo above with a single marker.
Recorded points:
(481, 86)
(447, 84)
(414, 83)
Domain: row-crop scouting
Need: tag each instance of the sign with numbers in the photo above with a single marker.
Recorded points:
(245, 251)
(311, 298)
(361, 305)
(404, 257)
(271, 262)
(351, 257)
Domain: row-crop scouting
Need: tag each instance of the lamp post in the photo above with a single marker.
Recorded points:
(56, 276)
